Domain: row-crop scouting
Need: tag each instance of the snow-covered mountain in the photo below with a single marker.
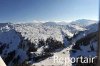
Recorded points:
(37, 43)
(84, 22)
(50, 23)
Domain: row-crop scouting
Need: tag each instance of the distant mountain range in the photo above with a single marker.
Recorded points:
(82, 22)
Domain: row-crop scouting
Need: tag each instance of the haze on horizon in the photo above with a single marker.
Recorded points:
(48, 10)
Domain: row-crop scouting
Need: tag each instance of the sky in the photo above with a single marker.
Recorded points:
(48, 10)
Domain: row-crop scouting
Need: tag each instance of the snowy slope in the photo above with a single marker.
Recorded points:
(85, 46)
(36, 42)
(43, 31)
(9, 42)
